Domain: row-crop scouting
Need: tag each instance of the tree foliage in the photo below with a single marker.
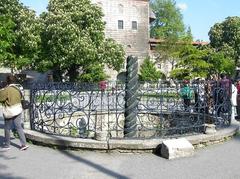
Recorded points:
(10, 7)
(191, 64)
(149, 72)
(169, 28)
(93, 73)
(202, 61)
(225, 37)
(220, 62)
(168, 22)
(67, 39)
(73, 40)
(28, 42)
(7, 38)
(26, 30)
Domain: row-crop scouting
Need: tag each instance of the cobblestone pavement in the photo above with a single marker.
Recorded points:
(213, 162)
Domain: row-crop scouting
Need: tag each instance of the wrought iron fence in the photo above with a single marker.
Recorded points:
(81, 109)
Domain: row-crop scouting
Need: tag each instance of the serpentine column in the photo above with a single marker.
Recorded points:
(131, 102)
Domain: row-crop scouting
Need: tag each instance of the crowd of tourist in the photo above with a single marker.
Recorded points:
(217, 94)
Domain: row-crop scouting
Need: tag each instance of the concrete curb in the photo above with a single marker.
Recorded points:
(128, 145)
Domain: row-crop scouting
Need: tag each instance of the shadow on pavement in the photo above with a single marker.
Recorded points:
(4, 157)
(9, 176)
(94, 165)
(4, 167)
(2, 140)
(87, 162)
(237, 137)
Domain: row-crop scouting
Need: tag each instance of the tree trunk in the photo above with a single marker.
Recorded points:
(73, 73)
(57, 75)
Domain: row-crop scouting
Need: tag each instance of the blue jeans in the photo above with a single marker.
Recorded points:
(7, 127)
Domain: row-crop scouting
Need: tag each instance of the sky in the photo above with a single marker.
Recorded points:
(199, 15)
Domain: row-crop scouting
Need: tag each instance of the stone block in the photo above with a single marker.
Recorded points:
(176, 148)
(210, 129)
(101, 135)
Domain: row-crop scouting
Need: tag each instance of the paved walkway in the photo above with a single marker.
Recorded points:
(219, 161)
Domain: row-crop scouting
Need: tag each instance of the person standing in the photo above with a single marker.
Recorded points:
(233, 100)
(238, 98)
(11, 96)
(222, 95)
(199, 94)
(186, 94)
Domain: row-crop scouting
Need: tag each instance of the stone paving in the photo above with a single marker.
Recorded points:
(218, 161)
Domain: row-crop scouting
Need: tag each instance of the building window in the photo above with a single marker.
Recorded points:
(120, 8)
(134, 25)
(120, 24)
(135, 10)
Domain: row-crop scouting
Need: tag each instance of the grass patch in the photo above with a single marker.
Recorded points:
(237, 133)
(52, 98)
(161, 95)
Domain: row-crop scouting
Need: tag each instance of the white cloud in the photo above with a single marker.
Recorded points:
(182, 6)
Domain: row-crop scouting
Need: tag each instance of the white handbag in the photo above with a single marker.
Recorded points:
(12, 111)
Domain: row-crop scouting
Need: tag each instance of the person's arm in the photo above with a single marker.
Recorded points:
(3, 95)
(181, 92)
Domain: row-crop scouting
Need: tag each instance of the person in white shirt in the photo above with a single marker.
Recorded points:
(234, 101)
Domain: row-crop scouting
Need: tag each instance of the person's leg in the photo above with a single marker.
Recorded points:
(197, 103)
(238, 107)
(7, 128)
(186, 104)
(14, 130)
(17, 122)
(233, 114)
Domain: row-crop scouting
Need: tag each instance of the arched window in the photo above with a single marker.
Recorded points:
(120, 8)
(135, 10)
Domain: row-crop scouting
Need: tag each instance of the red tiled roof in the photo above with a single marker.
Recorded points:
(200, 43)
(156, 41)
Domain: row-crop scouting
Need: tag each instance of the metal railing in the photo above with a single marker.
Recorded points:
(81, 109)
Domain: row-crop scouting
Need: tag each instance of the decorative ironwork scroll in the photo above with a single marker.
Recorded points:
(81, 109)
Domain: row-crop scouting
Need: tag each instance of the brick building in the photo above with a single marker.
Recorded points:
(127, 21)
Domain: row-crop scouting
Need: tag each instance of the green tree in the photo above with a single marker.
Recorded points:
(74, 43)
(168, 22)
(191, 64)
(149, 72)
(225, 37)
(169, 28)
(10, 7)
(220, 61)
(93, 73)
(7, 38)
(27, 34)
(202, 61)
(28, 41)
